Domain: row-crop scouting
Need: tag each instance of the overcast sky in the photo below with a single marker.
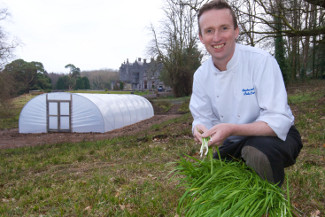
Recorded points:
(94, 34)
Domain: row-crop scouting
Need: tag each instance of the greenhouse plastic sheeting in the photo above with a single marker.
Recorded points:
(80, 112)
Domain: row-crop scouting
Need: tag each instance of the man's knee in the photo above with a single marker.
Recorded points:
(258, 161)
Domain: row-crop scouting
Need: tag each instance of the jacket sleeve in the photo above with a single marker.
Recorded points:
(272, 98)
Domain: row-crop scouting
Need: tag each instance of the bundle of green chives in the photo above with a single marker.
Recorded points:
(219, 188)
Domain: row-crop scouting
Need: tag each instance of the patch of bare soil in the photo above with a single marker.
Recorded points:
(13, 139)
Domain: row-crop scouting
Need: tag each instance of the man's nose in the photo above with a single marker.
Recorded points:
(216, 36)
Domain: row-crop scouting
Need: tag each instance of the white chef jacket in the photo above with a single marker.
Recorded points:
(251, 89)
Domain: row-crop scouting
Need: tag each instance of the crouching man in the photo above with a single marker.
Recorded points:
(239, 99)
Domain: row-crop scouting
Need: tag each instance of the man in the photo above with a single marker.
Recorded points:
(239, 99)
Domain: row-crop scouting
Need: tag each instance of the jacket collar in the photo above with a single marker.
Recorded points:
(230, 65)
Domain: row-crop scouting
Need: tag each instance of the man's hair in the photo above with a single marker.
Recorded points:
(216, 4)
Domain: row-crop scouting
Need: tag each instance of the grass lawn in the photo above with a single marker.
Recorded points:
(9, 114)
(129, 176)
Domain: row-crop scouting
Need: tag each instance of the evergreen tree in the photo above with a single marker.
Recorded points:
(27, 76)
(279, 47)
(63, 83)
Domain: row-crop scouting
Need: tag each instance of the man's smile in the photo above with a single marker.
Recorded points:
(218, 46)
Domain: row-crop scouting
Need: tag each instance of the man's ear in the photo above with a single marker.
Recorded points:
(201, 38)
(237, 32)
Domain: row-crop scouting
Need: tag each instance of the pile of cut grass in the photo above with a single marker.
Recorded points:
(219, 188)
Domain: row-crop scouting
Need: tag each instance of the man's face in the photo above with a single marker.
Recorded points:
(218, 35)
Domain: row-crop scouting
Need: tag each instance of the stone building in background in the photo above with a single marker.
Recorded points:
(141, 75)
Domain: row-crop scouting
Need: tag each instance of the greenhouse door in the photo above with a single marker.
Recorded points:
(58, 115)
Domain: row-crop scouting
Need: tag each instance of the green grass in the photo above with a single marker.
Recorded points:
(9, 114)
(165, 104)
(307, 176)
(126, 176)
(130, 175)
(219, 188)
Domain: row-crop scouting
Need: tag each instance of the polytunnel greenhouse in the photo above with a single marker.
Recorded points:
(81, 112)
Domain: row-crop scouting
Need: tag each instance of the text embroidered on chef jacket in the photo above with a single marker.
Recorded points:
(248, 92)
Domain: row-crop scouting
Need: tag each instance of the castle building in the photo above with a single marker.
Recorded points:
(141, 75)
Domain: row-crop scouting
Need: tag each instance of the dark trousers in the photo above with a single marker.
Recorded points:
(280, 153)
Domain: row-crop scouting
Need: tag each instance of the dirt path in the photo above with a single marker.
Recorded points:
(12, 139)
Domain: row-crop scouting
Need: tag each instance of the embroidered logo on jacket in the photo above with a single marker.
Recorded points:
(247, 92)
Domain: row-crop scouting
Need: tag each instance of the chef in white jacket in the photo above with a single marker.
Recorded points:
(239, 98)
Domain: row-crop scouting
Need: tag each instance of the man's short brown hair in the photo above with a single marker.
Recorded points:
(216, 4)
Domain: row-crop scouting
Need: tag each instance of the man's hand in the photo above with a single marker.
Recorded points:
(219, 133)
(198, 131)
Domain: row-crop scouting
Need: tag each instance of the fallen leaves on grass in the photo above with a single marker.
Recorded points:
(315, 213)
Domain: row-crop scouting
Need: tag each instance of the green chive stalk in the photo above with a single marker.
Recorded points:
(219, 188)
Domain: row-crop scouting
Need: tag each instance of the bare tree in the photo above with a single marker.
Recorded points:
(7, 91)
(7, 85)
(265, 13)
(320, 3)
(6, 47)
(297, 21)
(101, 79)
(175, 45)
(300, 24)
